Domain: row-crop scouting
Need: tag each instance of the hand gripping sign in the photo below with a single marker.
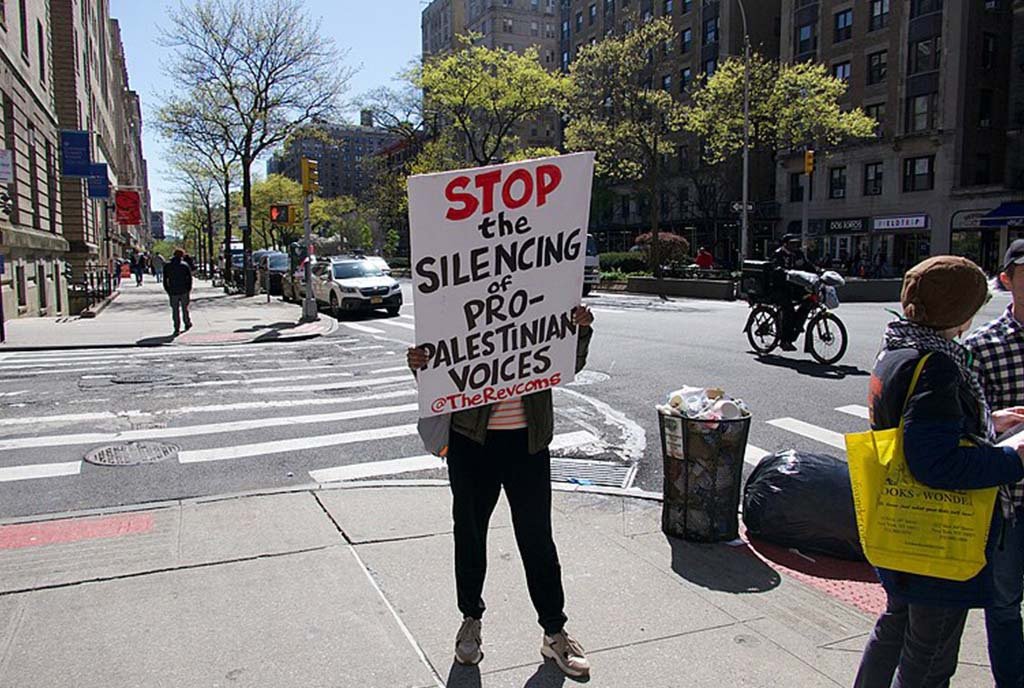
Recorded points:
(497, 259)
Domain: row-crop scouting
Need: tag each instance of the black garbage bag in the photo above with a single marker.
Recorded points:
(801, 500)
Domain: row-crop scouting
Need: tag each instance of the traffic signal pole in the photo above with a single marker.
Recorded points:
(309, 312)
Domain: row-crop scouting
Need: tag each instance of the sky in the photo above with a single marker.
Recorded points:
(381, 37)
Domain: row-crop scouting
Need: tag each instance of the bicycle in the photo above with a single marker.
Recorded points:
(825, 336)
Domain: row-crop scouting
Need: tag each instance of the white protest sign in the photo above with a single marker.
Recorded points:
(497, 258)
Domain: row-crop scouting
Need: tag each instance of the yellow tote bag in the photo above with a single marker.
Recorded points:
(907, 526)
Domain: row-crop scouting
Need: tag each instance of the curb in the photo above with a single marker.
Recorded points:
(297, 489)
(332, 328)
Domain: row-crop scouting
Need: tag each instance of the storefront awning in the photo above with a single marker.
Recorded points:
(1011, 214)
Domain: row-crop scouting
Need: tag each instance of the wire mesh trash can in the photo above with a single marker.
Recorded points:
(703, 469)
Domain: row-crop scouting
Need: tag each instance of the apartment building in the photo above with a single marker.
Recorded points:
(93, 95)
(699, 201)
(345, 154)
(32, 242)
(440, 23)
(945, 172)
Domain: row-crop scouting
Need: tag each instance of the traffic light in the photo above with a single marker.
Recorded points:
(281, 214)
(310, 176)
(808, 161)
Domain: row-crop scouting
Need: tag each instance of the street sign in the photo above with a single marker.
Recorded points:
(74, 153)
(6, 166)
(243, 219)
(737, 207)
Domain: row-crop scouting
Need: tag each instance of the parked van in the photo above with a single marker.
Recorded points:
(591, 266)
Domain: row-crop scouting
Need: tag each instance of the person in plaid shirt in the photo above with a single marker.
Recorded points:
(998, 350)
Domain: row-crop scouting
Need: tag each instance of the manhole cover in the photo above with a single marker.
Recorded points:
(589, 377)
(139, 378)
(132, 453)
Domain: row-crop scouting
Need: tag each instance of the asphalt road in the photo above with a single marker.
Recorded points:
(270, 416)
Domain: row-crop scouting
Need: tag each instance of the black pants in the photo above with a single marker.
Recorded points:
(476, 474)
(794, 308)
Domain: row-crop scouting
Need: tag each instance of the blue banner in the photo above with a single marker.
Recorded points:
(74, 154)
(99, 183)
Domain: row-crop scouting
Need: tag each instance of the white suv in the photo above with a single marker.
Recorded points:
(348, 284)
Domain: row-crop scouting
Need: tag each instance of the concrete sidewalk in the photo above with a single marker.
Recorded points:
(353, 586)
(141, 316)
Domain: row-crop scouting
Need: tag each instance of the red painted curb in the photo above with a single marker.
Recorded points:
(73, 530)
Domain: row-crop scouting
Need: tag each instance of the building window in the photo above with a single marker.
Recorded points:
(41, 285)
(796, 187)
(843, 26)
(841, 70)
(837, 182)
(592, 16)
(609, 6)
(876, 111)
(534, 28)
(687, 6)
(919, 7)
(666, 83)
(685, 77)
(711, 31)
(507, 26)
(686, 40)
(878, 67)
(925, 55)
(806, 41)
(710, 66)
(23, 24)
(985, 100)
(879, 15)
(873, 179)
(667, 7)
(988, 51)
(983, 169)
(20, 285)
(919, 173)
(579, 22)
(922, 112)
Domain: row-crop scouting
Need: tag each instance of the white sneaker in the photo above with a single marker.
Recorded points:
(467, 642)
(567, 653)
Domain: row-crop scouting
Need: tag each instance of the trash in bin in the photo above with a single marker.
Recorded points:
(803, 500)
(704, 440)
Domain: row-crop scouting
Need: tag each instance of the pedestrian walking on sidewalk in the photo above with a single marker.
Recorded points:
(139, 268)
(946, 424)
(158, 267)
(178, 285)
(505, 445)
(998, 349)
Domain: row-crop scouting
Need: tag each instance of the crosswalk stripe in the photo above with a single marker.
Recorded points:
(40, 470)
(265, 380)
(426, 461)
(754, 455)
(407, 317)
(814, 432)
(347, 384)
(855, 410)
(376, 468)
(363, 328)
(393, 323)
(60, 418)
(113, 360)
(189, 431)
(299, 444)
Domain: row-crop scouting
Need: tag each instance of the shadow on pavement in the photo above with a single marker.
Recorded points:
(155, 341)
(722, 567)
(813, 564)
(462, 676)
(812, 368)
(550, 676)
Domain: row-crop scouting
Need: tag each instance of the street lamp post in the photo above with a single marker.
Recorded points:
(745, 224)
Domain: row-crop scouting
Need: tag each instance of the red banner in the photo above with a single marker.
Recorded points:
(129, 207)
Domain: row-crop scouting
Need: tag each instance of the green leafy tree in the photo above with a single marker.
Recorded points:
(615, 110)
(791, 106)
(484, 94)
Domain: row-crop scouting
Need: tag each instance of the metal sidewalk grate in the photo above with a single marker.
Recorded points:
(585, 472)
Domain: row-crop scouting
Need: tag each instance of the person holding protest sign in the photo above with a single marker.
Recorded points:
(923, 383)
(505, 445)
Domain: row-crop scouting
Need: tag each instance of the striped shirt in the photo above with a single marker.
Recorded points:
(508, 415)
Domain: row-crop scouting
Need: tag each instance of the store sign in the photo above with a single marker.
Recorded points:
(884, 224)
(850, 225)
(74, 154)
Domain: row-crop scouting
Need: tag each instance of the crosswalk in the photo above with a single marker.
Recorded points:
(331, 410)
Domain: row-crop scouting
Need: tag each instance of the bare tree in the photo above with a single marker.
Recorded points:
(198, 182)
(266, 68)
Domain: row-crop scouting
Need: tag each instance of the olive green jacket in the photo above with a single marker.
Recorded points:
(540, 413)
